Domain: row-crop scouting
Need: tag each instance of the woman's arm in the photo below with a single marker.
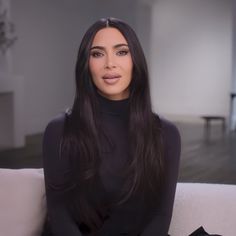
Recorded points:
(56, 171)
(172, 147)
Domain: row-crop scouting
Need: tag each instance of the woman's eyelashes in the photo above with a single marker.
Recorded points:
(123, 52)
(97, 54)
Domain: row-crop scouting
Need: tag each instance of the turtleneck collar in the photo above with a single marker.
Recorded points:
(113, 107)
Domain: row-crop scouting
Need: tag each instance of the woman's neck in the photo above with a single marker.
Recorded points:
(115, 107)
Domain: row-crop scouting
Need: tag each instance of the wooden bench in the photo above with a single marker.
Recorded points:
(208, 120)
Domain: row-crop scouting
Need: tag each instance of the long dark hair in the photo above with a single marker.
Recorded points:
(80, 140)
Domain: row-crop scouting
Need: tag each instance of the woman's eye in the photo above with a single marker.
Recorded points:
(122, 52)
(96, 54)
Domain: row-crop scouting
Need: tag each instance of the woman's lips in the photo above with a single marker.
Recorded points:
(111, 79)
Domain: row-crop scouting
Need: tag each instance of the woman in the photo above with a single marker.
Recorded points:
(110, 163)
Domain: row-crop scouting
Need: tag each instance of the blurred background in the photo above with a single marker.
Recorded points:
(190, 47)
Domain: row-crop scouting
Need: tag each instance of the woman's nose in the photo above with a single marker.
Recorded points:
(110, 61)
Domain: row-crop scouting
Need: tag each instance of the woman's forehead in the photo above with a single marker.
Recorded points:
(108, 37)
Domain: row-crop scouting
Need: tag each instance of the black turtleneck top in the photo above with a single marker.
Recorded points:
(131, 218)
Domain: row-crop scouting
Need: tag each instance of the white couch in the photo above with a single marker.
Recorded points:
(22, 202)
(212, 206)
(23, 206)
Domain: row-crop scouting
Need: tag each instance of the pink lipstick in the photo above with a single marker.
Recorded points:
(111, 78)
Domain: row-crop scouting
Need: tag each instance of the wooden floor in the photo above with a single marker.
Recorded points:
(206, 156)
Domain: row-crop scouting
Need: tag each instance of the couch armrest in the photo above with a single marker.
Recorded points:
(212, 206)
(22, 202)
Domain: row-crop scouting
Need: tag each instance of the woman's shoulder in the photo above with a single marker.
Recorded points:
(56, 124)
(172, 142)
(55, 166)
(53, 132)
(169, 130)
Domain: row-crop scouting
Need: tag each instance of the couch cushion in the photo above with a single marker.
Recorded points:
(22, 202)
(212, 206)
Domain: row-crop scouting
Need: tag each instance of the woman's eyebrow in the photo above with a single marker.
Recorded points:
(115, 46)
(97, 47)
(120, 45)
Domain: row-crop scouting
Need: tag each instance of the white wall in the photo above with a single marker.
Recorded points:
(48, 36)
(124, 9)
(191, 56)
(49, 33)
(233, 124)
(143, 28)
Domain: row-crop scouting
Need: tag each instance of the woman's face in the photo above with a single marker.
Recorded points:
(110, 64)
